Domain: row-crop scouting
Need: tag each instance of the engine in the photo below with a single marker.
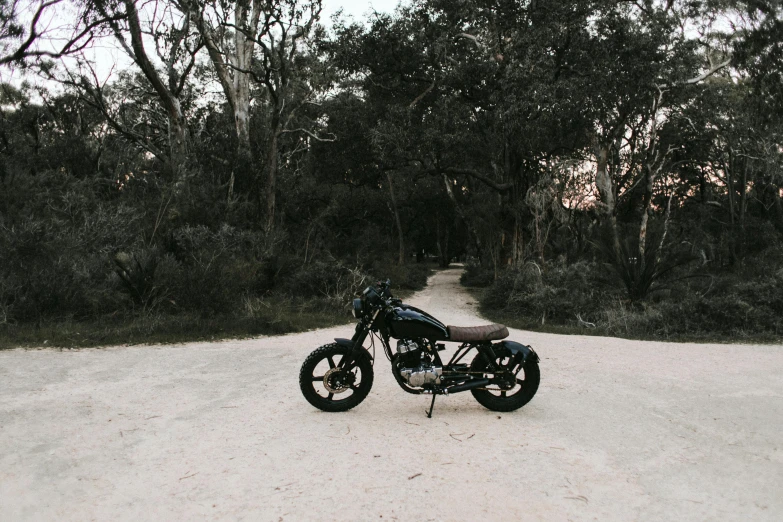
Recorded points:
(416, 365)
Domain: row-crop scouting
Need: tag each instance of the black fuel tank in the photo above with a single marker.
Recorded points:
(410, 322)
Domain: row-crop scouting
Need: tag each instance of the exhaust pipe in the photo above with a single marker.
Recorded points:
(468, 386)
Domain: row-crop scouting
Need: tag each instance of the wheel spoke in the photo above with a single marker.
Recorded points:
(331, 361)
(329, 397)
(318, 379)
(503, 393)
(521, 382)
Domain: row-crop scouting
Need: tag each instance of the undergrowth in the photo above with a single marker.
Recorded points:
(744, 305)
(172, 307)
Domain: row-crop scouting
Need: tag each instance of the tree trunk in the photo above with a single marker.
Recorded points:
(178, 141)
(461, 214)
(396, 212)
(271, 182)
(446, 258)
(443, 246)
(605, 186)
(778, 209)
(702, 185)
(777, 206)
(231, 66)
(244, 47)
(733, 233)
(646, 209)
(743, 206)
(519, 245)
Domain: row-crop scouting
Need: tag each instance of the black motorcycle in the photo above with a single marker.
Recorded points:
(503, 376)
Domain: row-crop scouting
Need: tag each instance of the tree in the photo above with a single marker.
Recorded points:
(291, 76)
(228, 32)
(36, 40)
(176, 47)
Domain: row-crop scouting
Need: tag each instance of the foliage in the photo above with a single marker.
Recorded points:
(643, 275)
(515, 135)
(745, 305)
(476, 276)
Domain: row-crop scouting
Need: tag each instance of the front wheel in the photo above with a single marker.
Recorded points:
(517, 382)
(330, 388)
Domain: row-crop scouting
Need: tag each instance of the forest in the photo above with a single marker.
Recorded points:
(600, 166)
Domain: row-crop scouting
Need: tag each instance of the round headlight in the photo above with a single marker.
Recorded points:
(357, 307)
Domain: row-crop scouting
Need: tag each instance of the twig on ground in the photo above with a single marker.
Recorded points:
(414, 476)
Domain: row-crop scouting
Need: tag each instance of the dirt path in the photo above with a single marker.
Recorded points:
(619, 430)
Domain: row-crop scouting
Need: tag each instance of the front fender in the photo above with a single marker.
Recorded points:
(526, 352)
(349, 344)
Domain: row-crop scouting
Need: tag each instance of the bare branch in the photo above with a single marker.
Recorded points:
(75, 44)
(422, 95)
(701, 77)
(473, 38)
(500, 187)
(712, 70)
(314, 136)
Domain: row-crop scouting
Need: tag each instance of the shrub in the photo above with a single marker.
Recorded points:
(641, 276)
(412, 276)
(743, 304)
(327, 280)
(559, 293)
(476, 276)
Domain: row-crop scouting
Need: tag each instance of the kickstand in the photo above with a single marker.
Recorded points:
(432, 405)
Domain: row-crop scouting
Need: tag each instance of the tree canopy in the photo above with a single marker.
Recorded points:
(246, 142)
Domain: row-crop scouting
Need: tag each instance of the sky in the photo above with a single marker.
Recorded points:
(356, 8)
(109, 59)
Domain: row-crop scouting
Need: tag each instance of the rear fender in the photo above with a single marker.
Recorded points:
(521, 352)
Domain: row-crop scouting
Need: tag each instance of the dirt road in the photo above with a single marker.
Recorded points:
(619, 430)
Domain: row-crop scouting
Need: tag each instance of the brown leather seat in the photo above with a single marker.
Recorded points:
(490, 332)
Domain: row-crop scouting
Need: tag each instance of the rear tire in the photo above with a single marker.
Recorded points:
(528, 379)
(320, 372)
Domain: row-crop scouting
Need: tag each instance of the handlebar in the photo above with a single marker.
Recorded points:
(384, 287)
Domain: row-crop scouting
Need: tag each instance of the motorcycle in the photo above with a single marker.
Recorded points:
(503, 376)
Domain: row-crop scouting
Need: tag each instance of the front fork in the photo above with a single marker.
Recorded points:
(357, 350)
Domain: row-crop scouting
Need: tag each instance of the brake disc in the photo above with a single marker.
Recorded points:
(339, 387)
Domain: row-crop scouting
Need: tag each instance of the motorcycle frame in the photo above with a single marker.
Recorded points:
(463, 380)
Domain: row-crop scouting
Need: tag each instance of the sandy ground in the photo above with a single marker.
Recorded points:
(619, 430)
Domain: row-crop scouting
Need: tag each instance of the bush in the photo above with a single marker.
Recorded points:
(53, 271)
(558, 294)
(744, 304)
(412, 276)
(328, 281)
(476, 276)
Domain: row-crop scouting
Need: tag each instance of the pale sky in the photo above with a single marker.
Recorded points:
(356, 8)
(108, 58)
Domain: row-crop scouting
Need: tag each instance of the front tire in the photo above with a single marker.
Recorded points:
(329, 388)
(526, 376)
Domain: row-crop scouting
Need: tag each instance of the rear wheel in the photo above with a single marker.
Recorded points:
(330, 388)
(513, 386)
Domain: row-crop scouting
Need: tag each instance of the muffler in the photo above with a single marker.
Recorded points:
(467, 386)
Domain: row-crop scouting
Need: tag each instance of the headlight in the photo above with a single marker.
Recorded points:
(357, 307)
